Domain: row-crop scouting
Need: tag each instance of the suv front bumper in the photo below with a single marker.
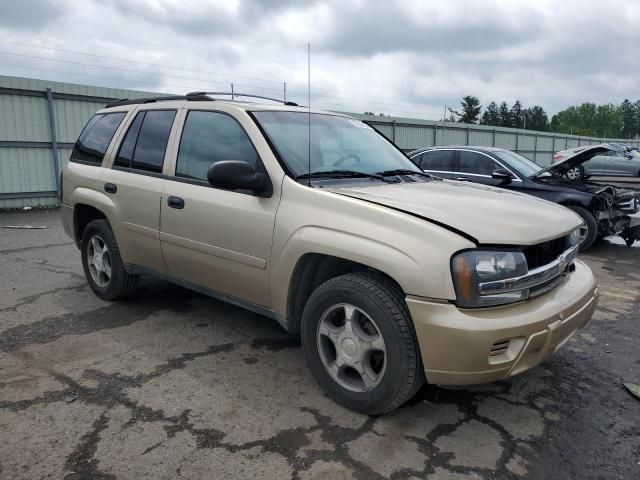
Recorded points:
(469, 346)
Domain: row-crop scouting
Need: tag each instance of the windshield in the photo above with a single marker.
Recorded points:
(521, 164)
(337, 143)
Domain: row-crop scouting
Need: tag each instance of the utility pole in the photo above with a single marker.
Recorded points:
(232, 92)
(284, 91)
(444, 127)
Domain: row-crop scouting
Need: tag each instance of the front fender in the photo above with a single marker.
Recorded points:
(398, 265)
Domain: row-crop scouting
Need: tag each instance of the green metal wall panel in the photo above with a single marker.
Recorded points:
(481, 138)
(23, 119)
(28, 167)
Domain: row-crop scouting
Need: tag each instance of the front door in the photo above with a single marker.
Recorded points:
(621, 164)
(215, 238)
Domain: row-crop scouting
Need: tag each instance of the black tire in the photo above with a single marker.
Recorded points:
(384, 302)
(580, 175)
(591, 223)
(120, 284)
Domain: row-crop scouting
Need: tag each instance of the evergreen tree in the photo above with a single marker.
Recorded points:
(536, 118)
(636, 107)
(470, 110)
(629, 119)
(504, 115)
(516, 115)
(491, 116)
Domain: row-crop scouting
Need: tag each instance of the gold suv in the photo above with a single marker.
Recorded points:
(390, 276)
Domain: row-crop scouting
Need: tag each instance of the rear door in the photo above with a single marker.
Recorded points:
(135, 183)
(476, 167)
(438, 162)
(620, 165)
(219, 239)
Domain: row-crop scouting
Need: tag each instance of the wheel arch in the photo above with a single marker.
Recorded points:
(312, 270)
(89, 205)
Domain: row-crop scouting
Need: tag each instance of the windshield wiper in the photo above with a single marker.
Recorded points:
(406, 171)
(344, 174)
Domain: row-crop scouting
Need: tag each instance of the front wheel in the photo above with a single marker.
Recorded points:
(591, 223)
(360, 345)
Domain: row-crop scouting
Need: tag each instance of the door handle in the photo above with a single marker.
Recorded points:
(110, 187)
(175, 202)
(462, 179)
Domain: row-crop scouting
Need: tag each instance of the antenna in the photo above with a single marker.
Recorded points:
(309, 105)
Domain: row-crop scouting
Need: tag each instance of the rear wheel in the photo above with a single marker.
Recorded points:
(102, 264)
(591, 223)
(359, 343)
(575, 173)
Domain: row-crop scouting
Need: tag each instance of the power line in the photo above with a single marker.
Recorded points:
(349, 101)
(343, 107)
(358, 94)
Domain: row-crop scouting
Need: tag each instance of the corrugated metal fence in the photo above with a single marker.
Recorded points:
(40, 121)
(410, 134)
(39, 124)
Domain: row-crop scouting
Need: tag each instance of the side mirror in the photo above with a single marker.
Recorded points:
(628, 155)
(236, 175)
(503, 175)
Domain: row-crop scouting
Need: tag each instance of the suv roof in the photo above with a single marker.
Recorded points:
(182, 100)
(458, 147)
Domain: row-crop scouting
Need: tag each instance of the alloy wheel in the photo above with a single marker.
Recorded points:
(351, 347)
(99, 261)
(573, 173)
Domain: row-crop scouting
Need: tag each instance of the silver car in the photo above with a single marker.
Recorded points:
(617, 161)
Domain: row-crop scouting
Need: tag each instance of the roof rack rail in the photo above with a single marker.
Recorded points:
(137, 101)
(234, 94)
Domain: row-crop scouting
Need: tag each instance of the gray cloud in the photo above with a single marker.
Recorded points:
(381, 27)
(29, 14)
(408, 58)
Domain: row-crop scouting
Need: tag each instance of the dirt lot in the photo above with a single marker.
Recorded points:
(173, 384)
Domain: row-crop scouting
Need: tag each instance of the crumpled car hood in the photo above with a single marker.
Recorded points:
(489, 215)
(573, 160)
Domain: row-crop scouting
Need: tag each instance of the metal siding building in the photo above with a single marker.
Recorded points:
(27, 172)
(29, 108)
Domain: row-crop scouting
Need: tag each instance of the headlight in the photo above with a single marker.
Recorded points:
(471, 268)
(577, 235)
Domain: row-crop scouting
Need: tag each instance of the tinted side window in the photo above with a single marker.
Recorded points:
(209, 137)
(472, 162)
(96, 137)
(146, 140)
(125, 155)
(440, 160)
(152, 140)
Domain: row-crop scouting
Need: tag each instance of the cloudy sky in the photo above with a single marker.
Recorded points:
(408, 58)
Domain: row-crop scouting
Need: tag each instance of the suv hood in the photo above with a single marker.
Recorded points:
(573, 159)
(486, 214)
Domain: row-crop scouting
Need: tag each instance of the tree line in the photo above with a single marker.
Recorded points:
(608, 120)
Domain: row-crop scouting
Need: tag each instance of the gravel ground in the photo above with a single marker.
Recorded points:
(172, 384)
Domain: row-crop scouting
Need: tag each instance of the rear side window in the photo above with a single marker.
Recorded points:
(476, 163)
(209, 137)
(437, 160)
(96, 137)
(145, 143)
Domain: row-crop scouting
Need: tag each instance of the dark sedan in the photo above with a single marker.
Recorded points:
(605, 209)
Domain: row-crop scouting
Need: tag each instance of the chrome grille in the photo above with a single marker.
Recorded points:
(545, 252)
